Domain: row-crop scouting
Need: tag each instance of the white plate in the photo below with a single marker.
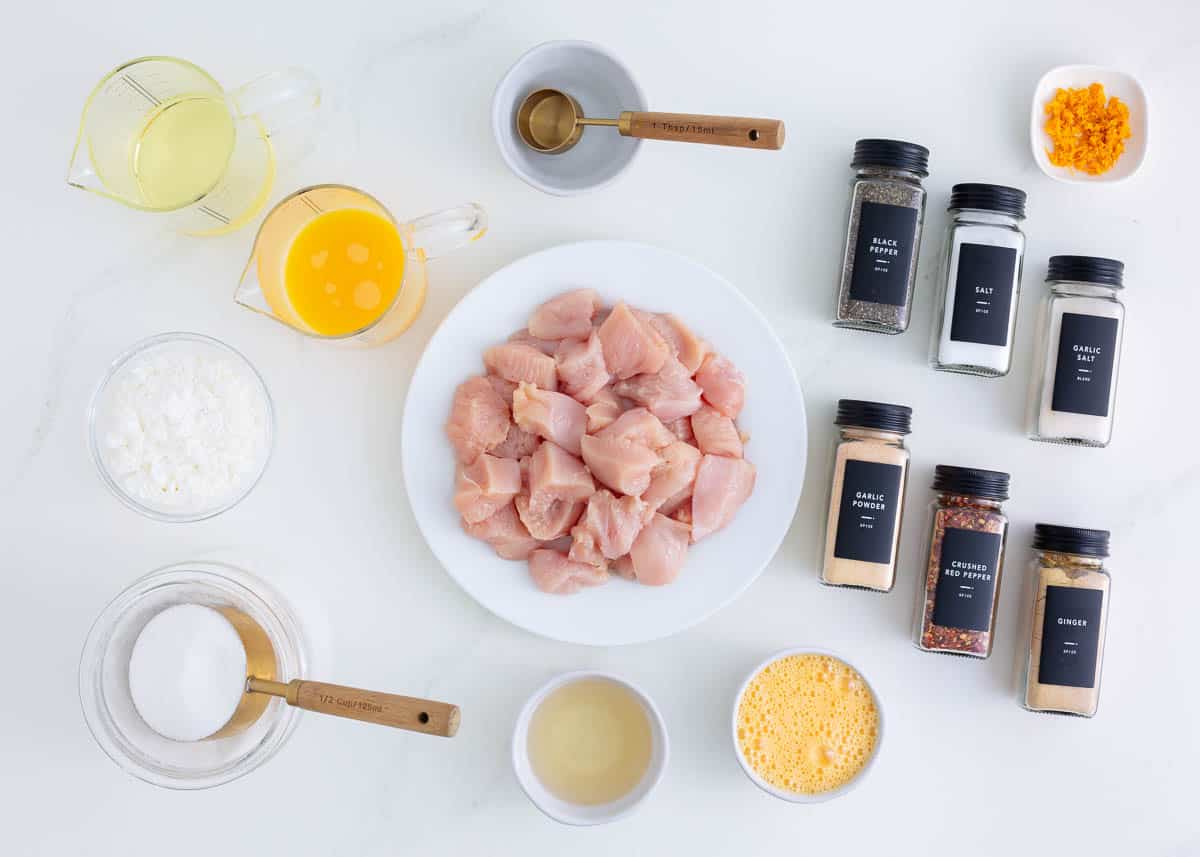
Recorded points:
(721, 566)
(1125, 86)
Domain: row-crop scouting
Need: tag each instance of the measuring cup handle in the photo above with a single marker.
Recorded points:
(741, 131)
(386, 709)
(437, 234)
(279, 99)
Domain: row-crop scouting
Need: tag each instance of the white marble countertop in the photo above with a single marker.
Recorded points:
(963, 766)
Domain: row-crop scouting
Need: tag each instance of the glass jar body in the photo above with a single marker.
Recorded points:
(1074, 386)
(964, 558)
(879, 256)
(866, 507)
(1067, 622)
(979, 291)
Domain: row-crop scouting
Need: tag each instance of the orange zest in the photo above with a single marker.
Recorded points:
(1087, 128)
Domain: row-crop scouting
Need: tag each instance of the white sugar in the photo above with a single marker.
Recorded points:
(187, 672)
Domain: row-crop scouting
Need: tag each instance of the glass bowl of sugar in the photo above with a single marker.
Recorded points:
(181, 427)
(110, 698)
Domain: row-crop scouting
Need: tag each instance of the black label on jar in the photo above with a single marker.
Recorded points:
(883, 253)
(1087, 350)
(966, 581)
(983, 292)
(867, 511)
(1070, 636)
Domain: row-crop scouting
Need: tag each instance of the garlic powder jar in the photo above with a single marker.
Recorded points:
(980, 281)
(1074, 388)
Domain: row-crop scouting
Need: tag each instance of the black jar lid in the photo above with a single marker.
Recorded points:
(1076, 540)
(1087, 269)
(988, 197)
(874, 415)
(971, 482)
(891, 153)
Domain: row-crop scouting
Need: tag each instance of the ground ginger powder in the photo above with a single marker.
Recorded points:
(1088, 129)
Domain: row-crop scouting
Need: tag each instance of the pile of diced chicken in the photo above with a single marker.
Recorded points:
(599, 441)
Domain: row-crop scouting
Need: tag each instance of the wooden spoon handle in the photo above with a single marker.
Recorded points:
(741, 131)
(386, 709)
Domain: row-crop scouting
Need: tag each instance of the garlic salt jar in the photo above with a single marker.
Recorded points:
(980, 281)
(866, 499)
(1074, 386)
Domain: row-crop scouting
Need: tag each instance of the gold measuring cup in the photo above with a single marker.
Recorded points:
(263, 288)
(385, 709)
(160, 134)
(551, 122)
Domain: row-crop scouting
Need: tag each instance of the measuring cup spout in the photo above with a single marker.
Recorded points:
(437, 234)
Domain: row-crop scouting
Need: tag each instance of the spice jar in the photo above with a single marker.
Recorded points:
(866, 498)
(981, 281)
(883, 236)
(956, 611)
(1074, 386)
(1070, 612)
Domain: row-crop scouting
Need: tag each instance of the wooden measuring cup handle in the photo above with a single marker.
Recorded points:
(386, 709)
(747, 133)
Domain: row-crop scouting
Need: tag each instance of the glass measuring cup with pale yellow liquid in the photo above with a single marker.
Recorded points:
(331, 262)
(159, 134)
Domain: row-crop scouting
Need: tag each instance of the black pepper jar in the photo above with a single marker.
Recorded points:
(883, 236)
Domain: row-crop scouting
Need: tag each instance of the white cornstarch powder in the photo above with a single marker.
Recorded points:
(184, 427)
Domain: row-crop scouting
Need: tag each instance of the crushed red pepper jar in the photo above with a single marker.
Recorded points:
(956, 610)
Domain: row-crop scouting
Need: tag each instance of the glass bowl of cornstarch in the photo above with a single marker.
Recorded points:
(181, 427)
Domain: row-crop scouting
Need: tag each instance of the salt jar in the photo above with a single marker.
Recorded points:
(866, 498)
(956, 608)
(1069, 615)
(883, 236)
(980, 281)
(1074, 385)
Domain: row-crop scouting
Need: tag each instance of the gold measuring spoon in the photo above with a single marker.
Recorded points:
(551, 122)
(385, 709)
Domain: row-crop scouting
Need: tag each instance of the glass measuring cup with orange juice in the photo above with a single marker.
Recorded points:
(331, 262)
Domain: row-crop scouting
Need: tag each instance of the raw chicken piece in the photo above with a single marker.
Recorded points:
(610, 524)
(517, 362)
(550, 415)
(672, 480)
(722, 486)
(503, 387)
(558, 485)
(682, 429)
(638, 425)
(603, 411)
(685, 346)
(552, 572)
(518, 444)
(660, 551)
(554, 471)
(631, 347)
(485, 485)
(581, 368)
(584, 548)
(723, 385)
(623, 467)
(478, 419)
(623, 567)
(524, 337)
(568, 316)
(505, 533)
(550, 521)
(715, 433)
(669, 394)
